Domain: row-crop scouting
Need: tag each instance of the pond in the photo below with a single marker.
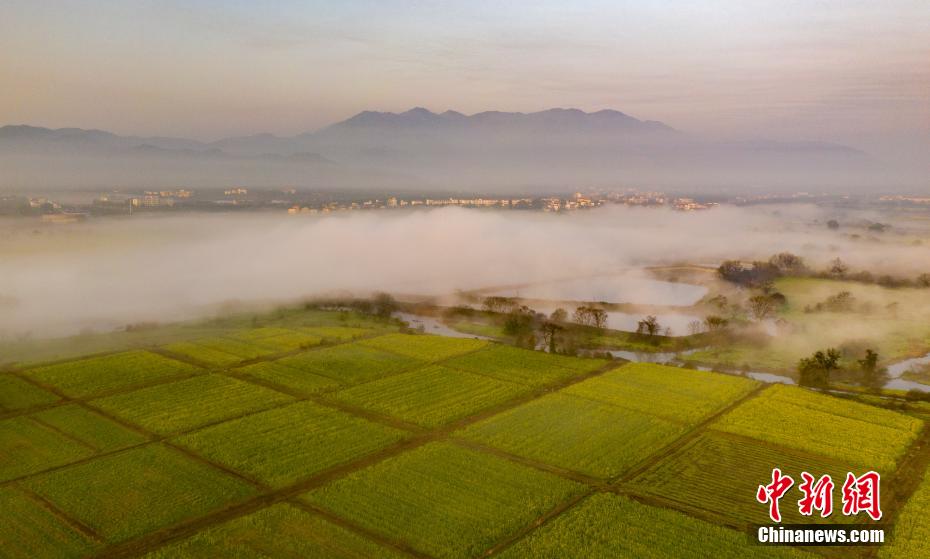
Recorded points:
(432, 325)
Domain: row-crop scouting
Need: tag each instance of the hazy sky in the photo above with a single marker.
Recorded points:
(851, 71)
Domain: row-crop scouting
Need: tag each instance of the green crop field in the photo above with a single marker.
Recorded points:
(347, 364)
(279, 531)
(86, 377)
(512, 364)
(668, 392)
(609, 526)
(29, 446)
(578, 434)
(291, 378)
(28, 529)
(191, 403)
(716, 472)
(796, 418)
(444, 500)
(127, 494)
(430, 396)
(911, 536)
(281, 446)
(425, 347)
(17, 394)
(346, 439)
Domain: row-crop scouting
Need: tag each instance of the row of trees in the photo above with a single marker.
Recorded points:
(819, 369)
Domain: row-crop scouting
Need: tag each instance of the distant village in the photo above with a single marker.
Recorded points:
(291, 201)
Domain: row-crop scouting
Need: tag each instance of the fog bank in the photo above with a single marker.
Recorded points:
(59, 279)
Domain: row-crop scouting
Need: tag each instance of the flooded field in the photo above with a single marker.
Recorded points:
(614, 289)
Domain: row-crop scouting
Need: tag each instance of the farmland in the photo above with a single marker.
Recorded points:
(283, 445)
(101, 374)
(363, 442)
(444, 500)
(785, 415)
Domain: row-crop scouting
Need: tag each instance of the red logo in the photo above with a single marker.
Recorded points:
(860, 494)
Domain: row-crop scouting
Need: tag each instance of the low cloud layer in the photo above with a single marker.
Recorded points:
(57, 280)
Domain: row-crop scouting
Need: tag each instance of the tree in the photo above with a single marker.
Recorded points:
(519, 324)
(591, 316)
(788, 263)
(549, 330)
(383, 305)
(649, 326)
(559, 315)
(815, 371)
(762, 306)
(923, 280)
(716, 323)
(696, 327)
(833, 224)
(731, 270)
(499, 304)
(873, 376)
(838, 267)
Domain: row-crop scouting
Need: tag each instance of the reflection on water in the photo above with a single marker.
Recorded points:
(432, 325)
(895, 371)
(645, 356)
(612, 289)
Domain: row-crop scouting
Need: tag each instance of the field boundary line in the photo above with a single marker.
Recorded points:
(328, 515)
(565, 473)
(538, 522)
(686, 437)
(64, 434)
(61, 515)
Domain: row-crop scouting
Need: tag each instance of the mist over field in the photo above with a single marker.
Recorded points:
(101, 274)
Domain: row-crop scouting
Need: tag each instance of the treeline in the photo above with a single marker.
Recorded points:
(785, 264)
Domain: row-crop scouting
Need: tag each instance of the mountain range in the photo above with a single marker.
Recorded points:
(556, 149)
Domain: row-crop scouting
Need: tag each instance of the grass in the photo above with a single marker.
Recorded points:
(131, 493)
(191, 403)
(804, 420)
(611, 526)
(336, 333)
(27, 446)
(87, 377)
(424, 347)
(431, 396)
(443, 500)
(522, 366)
(284, 445)
(91, 428)
(17, 394)
(668, 392)
(295, 379)
(578, 434)
(720, 474)
(29, 530)
(911, 537)
(282, 530)
(346, 364)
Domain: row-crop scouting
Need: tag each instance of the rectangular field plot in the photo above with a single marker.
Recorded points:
(336, 333)
(191, 403)
(302, 381)
(86, 377)
(825, 425)
(131, 493)
(28, 530)
(720, 473)
(349, 363)
(424, 347)
(443, 500)
(287, 444)
(668, 392)
(533, 368)
(606, 526)
(577, 434)
(289, 342)
(27, 446)
(431, 396)
(911, 536)
(220, 352)
(90, 428)
(255, 334)
(17, 394)
(281, 530)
